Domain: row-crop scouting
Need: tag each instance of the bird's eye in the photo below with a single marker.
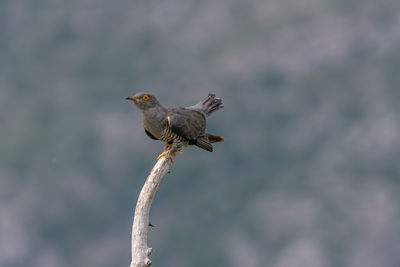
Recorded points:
(145, 97)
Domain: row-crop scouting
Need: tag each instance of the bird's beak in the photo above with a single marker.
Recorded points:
(132, 98)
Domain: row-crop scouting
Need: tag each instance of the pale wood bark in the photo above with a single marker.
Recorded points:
(140, 250)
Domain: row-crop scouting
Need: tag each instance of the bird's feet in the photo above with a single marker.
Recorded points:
(167, 146)
(167, 152)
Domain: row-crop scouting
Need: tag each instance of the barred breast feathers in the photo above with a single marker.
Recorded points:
(168, 135)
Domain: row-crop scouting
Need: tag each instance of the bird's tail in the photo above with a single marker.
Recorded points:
(214, 138)
(204, 142)
(208, 105)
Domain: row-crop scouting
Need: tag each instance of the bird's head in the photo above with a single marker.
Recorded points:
(144, 101)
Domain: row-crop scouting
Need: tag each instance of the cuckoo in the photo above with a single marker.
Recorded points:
(179, 126)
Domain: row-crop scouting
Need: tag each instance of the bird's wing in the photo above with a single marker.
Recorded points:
(150, 135)
(187, 123)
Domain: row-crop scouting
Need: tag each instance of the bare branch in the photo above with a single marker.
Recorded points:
(140, 250)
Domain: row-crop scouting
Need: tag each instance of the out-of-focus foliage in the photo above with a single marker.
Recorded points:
(308, 174)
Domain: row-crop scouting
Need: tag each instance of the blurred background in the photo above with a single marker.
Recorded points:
(309, 171)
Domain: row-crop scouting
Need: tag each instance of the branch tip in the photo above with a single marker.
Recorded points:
(148, 262)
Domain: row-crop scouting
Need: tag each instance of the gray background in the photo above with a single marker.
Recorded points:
(308, 174)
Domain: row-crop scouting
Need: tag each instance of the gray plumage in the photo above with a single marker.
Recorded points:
(180, 126)
(208, 105)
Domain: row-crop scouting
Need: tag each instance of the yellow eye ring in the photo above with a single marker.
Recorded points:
(146, 97)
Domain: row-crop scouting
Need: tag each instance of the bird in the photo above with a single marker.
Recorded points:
(178, 126)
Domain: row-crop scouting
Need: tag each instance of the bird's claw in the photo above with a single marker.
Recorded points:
(162, 155)
(168, 152)
(167, 146)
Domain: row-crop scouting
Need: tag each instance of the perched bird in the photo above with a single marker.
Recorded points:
(180, 126)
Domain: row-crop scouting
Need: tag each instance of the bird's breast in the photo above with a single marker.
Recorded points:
(153, 124)
(168, 135)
